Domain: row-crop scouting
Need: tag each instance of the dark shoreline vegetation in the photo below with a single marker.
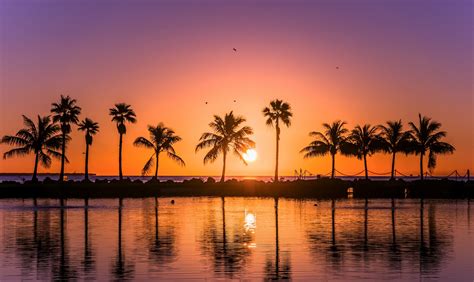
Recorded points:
(319, 188)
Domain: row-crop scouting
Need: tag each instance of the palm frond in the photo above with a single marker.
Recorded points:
(143, 142)
(212, 155)
(14, 141)
(44, 159)
(176, 158)
(206, 143)
(148, 165)
(20, 152)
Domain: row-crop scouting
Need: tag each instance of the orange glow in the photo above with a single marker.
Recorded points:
(184, 77)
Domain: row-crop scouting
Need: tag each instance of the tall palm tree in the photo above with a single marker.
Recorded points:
(331, 141)
(91, 128)
(162, 139)
(395, 140)
(226, 136)
(121, 114)
(364, 141)
(426, 137)
(42, 139)
(278, 111)
(66, 113)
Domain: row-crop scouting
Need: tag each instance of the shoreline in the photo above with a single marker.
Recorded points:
(320, 188)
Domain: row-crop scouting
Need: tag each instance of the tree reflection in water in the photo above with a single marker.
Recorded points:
(395, 238)
(88, 262)
(229, 251)
(279, 268)
(64, 270)
(162, 243)
(121, 268)
(427, 256)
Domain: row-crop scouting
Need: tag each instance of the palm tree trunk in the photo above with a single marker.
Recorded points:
(365, 168)
(392, 177)
(35, 171)
(120, 157)
(277, 149)
(157, 156)
(223, 167)
(86, 169)
(421, 166)
(63, 156)
(333, 165)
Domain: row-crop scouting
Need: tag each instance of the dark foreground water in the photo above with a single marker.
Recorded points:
(238, 238)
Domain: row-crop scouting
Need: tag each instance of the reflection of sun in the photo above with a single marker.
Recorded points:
(250, 155)
(250, 222)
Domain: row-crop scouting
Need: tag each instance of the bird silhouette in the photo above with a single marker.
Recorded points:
(172, 202)
(235, 101)
(206, 103)
(235, 49)
(337, 68)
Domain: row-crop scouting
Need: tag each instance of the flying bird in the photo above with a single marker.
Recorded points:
(235, 101)
(337, 68)
(235, 49)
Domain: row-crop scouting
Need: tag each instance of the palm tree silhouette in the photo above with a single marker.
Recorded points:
(226, 136)
(331, 141)
(121, 114)
(66, 113)
(278, 111)
(91, 128)
(395, 140)
(43, 139)
(364, 141)
(162, 140)
(426, 137)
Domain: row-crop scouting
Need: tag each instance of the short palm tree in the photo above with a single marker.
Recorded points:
(161, 140)
(331, 141)
(365, 141)
(426, 137)
(121, 114)
(43, 139)
(395, 140)
(226, 136)
(278, 111)
(91, 128)
(66, 113)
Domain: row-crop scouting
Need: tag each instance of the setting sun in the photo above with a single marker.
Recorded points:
(250, 155)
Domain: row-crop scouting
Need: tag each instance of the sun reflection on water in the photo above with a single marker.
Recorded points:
(250, 225)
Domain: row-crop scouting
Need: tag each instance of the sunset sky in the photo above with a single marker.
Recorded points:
(359, 61)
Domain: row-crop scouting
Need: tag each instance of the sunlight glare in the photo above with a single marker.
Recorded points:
(250, 155)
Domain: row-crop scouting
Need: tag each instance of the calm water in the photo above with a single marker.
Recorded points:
(239, 238)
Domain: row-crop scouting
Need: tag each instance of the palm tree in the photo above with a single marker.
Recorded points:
(226, 136)
(364, 141)
(66, 113)
(43, 139)
(162, 139)
(121, 114)
(331, 141)
(278, 111)
(395, 140)
(426, 137)
(91, 128)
